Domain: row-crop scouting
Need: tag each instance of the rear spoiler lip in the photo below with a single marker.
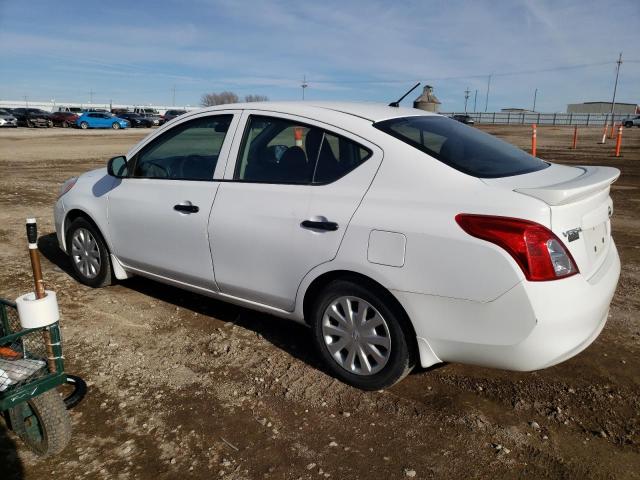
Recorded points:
(593, 179)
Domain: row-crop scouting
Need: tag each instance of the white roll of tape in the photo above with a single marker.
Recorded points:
(37, 312)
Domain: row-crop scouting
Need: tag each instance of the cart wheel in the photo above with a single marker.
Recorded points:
(42, 423)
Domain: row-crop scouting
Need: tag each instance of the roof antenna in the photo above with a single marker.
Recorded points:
(397, 103)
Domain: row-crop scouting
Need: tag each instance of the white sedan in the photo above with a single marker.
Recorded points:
(399, 236)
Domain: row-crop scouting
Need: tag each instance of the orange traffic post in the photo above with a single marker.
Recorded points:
(619, 141)
(297, 135)
(613, 126)
(534, 140)
(575, 138)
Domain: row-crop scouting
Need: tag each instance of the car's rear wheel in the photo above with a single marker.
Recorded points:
(361, 335)
(49, 124)
(29, 124)
(88, 254)
(628, 124)
(64, 125)
(84, 125)
(115, 125)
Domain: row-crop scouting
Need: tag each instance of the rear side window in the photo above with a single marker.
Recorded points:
(464, 148)
(275, 150)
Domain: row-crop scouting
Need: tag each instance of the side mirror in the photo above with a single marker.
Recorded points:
(117, 167)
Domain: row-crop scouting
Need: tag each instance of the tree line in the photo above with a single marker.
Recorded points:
(210, 99)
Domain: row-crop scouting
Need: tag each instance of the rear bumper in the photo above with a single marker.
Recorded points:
(534, 325)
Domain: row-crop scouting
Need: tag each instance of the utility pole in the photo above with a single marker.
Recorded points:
(91, 92)
(475, 101)
(26, 101)
(535, 96)
(615, 86)
(173, 98)
(486, 101)
(466, 97)
(304, 85)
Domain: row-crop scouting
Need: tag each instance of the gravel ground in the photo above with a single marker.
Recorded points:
(182, 386)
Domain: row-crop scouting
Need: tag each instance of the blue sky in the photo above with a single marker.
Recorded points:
(136, 52)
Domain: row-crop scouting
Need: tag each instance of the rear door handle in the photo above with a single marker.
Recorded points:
(186, 207)
(320, 225)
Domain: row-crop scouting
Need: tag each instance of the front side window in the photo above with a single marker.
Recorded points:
(276, 150)
(188, 151)
(464, 148)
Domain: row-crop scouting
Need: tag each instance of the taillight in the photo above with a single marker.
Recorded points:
(540, 254)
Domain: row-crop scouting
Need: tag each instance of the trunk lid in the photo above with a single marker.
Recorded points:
(580, 207)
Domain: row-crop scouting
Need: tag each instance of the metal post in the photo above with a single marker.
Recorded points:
(588, 118)
(475, 100)
(554, 118)
(486, 102)
(466, 97)
(304, 85)
(535, 95)
(615, 86)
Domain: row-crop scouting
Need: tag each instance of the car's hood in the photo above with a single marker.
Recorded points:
(94, 174)
(7, 117)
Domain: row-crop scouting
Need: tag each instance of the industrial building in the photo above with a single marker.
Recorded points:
(603, 107)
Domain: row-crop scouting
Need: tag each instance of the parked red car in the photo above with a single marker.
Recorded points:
(64, 119)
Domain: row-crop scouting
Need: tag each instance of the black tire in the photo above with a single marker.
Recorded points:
(103, 277)
(29, 124)
(629, 124)
(401, 355)
(49, 124)
(115, 126)
(79, 391)
(42, 423)
(84, 125)
(64, 124)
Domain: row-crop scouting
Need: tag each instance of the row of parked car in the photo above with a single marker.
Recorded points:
(84, 119)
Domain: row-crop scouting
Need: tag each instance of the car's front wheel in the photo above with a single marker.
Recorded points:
(628, 124)
(361, 335)
(88, 254)
(84, 125)
(115, 125)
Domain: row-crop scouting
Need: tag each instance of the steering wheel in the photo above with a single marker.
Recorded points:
(149, 170)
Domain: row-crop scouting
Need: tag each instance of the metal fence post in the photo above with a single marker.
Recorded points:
(554, 118)
(538, 121)
(588, 117)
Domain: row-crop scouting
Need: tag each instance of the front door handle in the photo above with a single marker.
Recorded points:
(320, 223)
(186, 207)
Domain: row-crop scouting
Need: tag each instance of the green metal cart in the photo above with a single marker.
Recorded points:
(31, 369)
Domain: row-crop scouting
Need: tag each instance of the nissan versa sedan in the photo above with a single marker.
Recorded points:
(400, 237)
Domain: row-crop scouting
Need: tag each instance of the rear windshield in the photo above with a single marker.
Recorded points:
(462, 147)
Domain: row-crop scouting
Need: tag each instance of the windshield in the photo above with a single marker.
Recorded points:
(464, 148)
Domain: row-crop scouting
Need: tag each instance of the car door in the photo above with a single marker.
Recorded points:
(285, 205)
(159, 213)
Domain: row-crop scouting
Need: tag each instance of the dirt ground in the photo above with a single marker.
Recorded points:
(182, 386)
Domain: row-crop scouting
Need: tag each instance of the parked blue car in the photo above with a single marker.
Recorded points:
(100, 120)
